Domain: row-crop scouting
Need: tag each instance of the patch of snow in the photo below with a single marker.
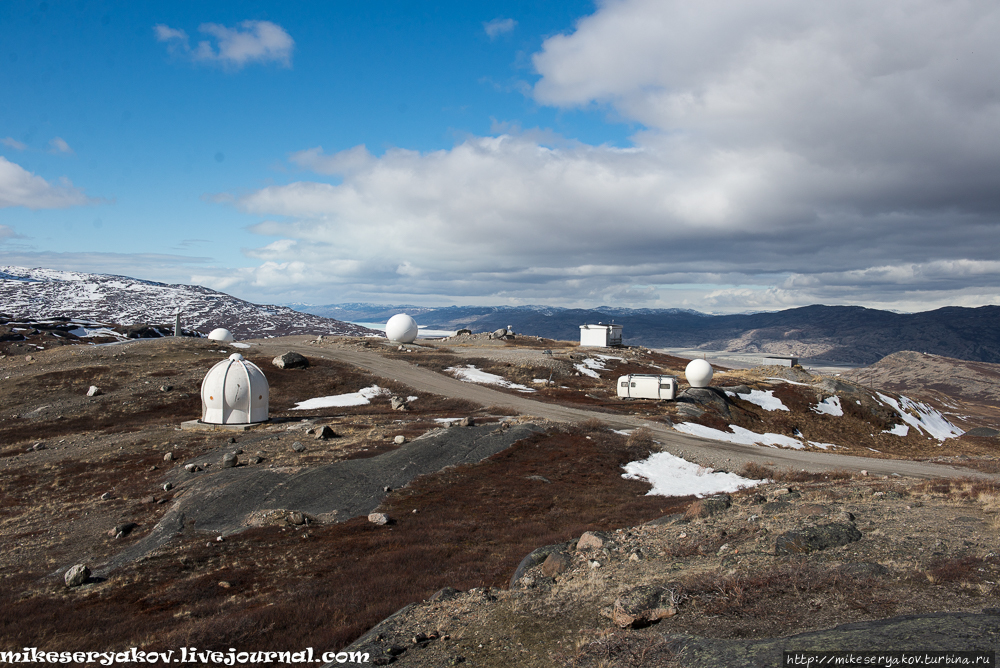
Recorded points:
(359, 398)
(785, 380)
(237, 344)
(470, 374)
(765, 400)
(623, 432)
(412, 398)
(823, 446)
(829, 406)
(447, 420)
(673, 476)
(85, 332)
(740, 435)
(898, 430)
(921, 416)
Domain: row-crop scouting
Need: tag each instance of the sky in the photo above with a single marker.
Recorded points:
(724, 156)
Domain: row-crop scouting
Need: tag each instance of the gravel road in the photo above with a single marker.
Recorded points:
(716, 454)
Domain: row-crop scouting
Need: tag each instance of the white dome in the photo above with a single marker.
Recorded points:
(699, 373)
(234, 391)
(221, 334)
(401, 328)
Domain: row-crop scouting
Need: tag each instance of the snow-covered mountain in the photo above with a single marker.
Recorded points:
(36, 294)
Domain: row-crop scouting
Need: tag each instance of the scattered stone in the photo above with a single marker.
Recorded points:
(230, 460)
(398, 404)
(464, 332)
(167, 487)
(105, 496)
(148, 499)
(467, 422)
(77, 575)
(296, 518)
(298, 447)
(166, 388)
(192, 468)
(122, 530)
(29, 358)
(232, 439)
(257, 460)
(592, 540)
(539, 478)
(555, 563)
(38, 446)
(641, 606)
(169, 457)
(326, 433)
(811, 539)
(387, 489)
(94, 391)
(380, 519)
(290, 360)
(399, 440)
(711, 505)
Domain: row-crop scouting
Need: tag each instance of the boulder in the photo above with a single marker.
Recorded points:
(555, 563)
(592, 540)
(642, 606)
(326, 433)
(712, 505)
(399, 440)
(290, 360)
(77, 575)
(298, 447)
(812, 539)
(94, 391)
(230, 460)
(380, 519)
(122, 530)
(398, 404)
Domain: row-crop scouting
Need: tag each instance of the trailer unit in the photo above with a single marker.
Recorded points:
(647, 386)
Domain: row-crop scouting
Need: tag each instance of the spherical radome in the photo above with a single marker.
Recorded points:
(221, 334)
(699, 373)
(234, 391)
(402, 328)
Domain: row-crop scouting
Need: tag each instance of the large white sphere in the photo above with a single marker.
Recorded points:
(699, 373)
(401, 328)
(221, 334)
(234, 391)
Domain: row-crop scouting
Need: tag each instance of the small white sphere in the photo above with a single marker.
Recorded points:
(699, 373)
(401, 328)
(221, 334)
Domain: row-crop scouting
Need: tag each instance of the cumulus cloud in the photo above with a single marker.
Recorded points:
(10, 142)
(250, 41)
(498, 27)
(59, 145)
(788, 153)
(19, 187)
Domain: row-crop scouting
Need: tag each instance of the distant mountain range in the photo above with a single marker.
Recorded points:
(849, 334)
(35, 294)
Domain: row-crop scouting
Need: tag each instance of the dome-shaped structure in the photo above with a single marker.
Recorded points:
(699, 373)
(234, 391)
(401, 328)
(221, 334)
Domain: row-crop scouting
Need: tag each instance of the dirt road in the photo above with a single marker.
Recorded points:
(716, 454)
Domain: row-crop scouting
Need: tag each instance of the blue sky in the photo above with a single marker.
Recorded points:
(723, 156)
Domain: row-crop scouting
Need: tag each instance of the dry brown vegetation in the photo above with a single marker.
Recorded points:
(280, 587)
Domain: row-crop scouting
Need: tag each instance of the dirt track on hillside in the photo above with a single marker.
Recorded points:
(715, 454)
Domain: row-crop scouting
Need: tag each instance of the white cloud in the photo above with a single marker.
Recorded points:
(59, 145)
(789, 153)
(250, 41)
(19, 187)
(13, 143)
(498, 27)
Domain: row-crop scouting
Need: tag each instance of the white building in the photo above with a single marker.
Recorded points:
(600, 335)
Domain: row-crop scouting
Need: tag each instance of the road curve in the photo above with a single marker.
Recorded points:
(716, 454)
